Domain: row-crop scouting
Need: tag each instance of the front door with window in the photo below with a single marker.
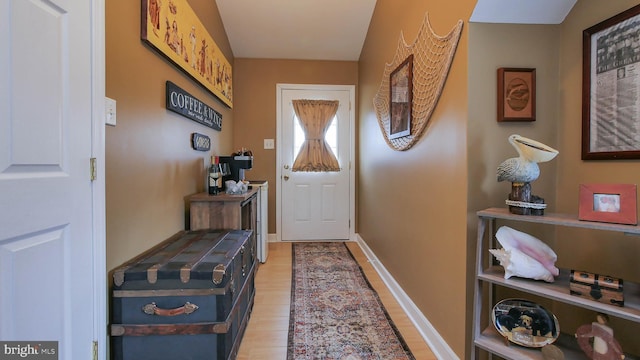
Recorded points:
(315, 205)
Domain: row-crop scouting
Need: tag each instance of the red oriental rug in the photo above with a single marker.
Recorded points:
(335, 313)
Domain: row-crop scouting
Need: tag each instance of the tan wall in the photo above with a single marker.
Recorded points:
(598, 252)
(150, 166)
(255, 107)
(520, 46)
(412, 204)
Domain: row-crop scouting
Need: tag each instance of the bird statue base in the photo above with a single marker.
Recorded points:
(522, 202)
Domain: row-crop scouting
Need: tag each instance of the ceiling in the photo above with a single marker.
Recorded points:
(336, 29)
(522, 11)
(300, 29)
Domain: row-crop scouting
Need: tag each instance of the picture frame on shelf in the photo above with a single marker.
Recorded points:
(610, 124)
(609, 203)
(516, 94)
(401, 99)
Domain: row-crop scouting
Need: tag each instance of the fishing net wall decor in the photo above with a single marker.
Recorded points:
(432, 57)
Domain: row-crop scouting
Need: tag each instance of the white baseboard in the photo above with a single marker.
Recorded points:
(272, 238)
(437, 344)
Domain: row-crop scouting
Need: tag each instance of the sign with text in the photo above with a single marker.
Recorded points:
(34, 350)
(183, 103)
(200, 142)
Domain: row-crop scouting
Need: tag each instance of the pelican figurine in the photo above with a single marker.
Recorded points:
(524, 168)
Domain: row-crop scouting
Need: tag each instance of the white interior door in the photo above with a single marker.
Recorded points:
(315, 205)
(47, 274)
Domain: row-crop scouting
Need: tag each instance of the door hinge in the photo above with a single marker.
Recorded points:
(93, 169)
(95, 350)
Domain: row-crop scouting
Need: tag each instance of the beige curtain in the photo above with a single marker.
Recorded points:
(315, 117)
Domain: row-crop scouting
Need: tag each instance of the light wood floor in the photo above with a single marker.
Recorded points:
(266, 334)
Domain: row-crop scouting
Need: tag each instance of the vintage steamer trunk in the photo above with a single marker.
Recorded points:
(188, 298)
(605, 289)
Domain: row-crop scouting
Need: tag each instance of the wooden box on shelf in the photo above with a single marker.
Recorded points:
(605, 289)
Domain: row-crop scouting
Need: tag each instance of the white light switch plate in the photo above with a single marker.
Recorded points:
(269, 144)
(110, 111)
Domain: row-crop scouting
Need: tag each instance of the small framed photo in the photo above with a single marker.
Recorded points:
(610, 203)
(401, 99)
(516, 94)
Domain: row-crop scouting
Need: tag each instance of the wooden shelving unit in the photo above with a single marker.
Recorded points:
(488, 276)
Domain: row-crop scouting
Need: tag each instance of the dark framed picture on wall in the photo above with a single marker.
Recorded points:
(516, 94)
(610, 83)
(401, 99)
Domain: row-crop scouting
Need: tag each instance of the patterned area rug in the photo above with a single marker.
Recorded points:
(335, 313)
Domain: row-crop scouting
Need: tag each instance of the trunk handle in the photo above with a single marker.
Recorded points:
(153, 309)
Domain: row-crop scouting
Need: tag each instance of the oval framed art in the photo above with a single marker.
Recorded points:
(525, 323)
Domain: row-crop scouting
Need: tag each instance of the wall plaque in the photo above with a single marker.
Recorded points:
(183, 103)
(200, 142)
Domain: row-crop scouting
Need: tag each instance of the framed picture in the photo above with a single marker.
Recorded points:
(516, 94)
(174, 30)
(610, 100)
(401, 99)
(610, 203)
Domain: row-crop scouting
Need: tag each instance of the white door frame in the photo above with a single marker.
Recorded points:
(352, 119)
(99, 184)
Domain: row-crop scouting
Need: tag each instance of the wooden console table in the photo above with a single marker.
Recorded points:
(224, 211)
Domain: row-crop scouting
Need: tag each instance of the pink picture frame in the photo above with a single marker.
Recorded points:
(610, 203)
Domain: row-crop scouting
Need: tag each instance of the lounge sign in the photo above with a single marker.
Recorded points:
(183, 103)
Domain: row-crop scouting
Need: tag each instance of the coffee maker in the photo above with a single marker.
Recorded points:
(237, 164)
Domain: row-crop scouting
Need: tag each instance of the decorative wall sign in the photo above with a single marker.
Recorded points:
(432, 58)
(200, 142)
(174, 30)
(183, 103)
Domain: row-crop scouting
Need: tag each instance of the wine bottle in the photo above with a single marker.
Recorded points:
(214, 175)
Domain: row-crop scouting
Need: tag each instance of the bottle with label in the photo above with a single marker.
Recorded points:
(214, 176)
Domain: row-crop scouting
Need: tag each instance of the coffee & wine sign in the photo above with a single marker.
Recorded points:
(183, 103)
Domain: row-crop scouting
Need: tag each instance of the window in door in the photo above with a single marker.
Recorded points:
(331, 136)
